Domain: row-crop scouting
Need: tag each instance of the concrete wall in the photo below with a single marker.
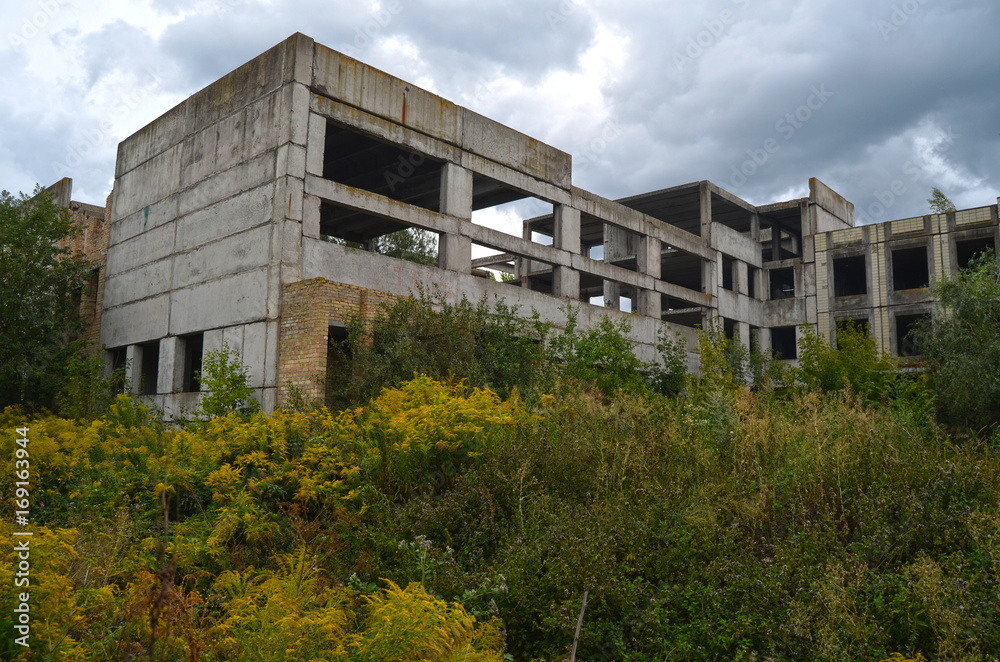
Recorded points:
(202, 196)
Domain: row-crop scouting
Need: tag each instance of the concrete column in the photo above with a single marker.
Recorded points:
(133, 369)
(764, 337)
(755, 227)
(455, 250)
(170, 374)
(567, 228)
(566, 236)
(648, 259)
(706, 213)
(743, 333)
(741, 279)
(612, 295)
(775, 242)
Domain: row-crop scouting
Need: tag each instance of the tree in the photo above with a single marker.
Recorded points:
(39, 275)
(962, 346)
(411, 244)
(939, 202)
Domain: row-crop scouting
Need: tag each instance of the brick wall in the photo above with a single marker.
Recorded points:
(91, 240)
(308, 309)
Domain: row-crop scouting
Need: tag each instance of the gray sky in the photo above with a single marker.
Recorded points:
(880, 99)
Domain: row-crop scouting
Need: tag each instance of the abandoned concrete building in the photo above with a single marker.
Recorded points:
(230, 218)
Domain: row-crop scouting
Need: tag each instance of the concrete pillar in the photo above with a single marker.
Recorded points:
(743, 333)
(567, 228)
(755, 227)
(764, 337)
(566, 236)
(741, 279)
(775, 242)
(170, 375)
(612, 295)
(133, 369)
(455, 250)
(648, 259)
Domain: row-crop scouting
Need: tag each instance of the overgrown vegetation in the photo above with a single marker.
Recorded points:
(962, 345)
(38, 310)
(483, 471)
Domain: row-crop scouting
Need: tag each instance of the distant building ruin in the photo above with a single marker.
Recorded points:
(231, 214)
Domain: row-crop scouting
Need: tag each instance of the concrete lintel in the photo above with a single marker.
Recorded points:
(614, 213)
(325, 108)
(731, 197)
(381, 206)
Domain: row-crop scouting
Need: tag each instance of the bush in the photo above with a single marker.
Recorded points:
(223, 380)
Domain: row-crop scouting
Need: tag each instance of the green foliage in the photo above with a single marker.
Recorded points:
(223, 380)
(87, 390)
(37, 309)
(603, 354)
(723, 525)
(411, 244)
(939, 202)
(668, 375)
(855, 362)
(490, 346)
(962, 347)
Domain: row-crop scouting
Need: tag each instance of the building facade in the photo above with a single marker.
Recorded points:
(248, 214)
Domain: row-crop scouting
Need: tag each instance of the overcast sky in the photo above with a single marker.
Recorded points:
(880, 99)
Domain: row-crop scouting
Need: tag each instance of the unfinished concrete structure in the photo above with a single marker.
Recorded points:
(231, 215)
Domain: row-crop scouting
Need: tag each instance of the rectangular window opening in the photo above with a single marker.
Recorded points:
(116, 361)
(966, 251)
(909, 268)
(782, 283)
(849, 276)
(681, 268)
(504, 209)
(730, 328)
(356, 229)
(193, 347)
(679, 312)
(905, 324)
(851, 324)
(338, 361)
(361, 161)
(621, 247)
(783, 343)
(150, 368)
